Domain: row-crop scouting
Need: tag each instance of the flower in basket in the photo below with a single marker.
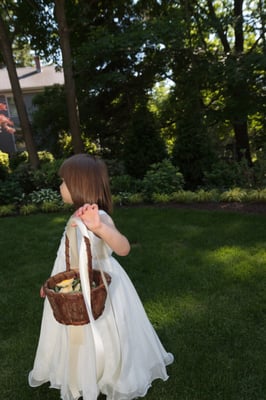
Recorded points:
(68, 286)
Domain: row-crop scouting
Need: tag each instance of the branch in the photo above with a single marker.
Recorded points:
(219, 28)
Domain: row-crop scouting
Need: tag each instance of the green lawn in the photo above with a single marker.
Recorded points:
(201, 276)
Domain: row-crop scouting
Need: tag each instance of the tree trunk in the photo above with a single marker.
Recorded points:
(72, 104)
(239, 92)
(242, 142)
(238, 89)
(6, 50)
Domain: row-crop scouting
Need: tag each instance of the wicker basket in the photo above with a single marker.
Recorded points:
(70, 308)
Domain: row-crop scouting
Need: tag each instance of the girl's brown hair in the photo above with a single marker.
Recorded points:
(87, 180)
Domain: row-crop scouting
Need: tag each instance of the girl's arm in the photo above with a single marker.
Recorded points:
(103, 226)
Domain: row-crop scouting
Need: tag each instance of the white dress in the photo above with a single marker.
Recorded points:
(120, 355)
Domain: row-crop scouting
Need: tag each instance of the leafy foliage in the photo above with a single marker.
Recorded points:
(44, 196)
(27, 209)
(162, 178)
(46, 177)
(124, 183)
(50, 119)
(10, 192)
(143, 145)
(7, 210)
(226, 174)
(4, 165)
(235, 194)
(122, 50)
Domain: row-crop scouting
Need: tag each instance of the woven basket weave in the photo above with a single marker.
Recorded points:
(70, 308)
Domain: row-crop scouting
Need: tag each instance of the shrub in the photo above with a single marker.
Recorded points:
(115, 167)
(50, 206)
(45, 156)
(46, 177)
(228, 174)
(18, 158)
(183, 196)
(122, 198)
(162, 178)
(10, 192)
(205, 195)
(259, 169)
(50, 118)
(235, 194)
(136, 198)
(143, 144)
(28, 209)
(124, 183)
(7, 210)
(69, 208)
(23, 176)
(160, 198)
(4, 165)
(22, 157)
(117, 199)
(44, 195)
(256, 195)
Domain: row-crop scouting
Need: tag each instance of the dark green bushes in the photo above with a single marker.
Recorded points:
(25, 190)
(20, 180)
(162, 178)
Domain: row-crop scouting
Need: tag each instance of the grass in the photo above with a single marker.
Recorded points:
(201, 276)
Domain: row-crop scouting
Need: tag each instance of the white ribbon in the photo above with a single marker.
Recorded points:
(86, 290)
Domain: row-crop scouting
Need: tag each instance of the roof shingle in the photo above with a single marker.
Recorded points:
(31, 80)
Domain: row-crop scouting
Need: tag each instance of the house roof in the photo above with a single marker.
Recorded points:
(32, 79)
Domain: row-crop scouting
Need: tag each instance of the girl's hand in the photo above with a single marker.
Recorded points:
(104, 228)
(42, 293)
(89, 213)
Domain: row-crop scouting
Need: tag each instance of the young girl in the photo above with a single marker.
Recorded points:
(127, 355)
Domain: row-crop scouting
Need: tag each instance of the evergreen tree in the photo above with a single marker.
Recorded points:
(143, 145)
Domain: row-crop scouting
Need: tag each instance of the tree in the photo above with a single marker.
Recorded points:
(217, 64)
(213, 51)
(113, 68)
(72, 104)
(6, 50)
(32, 23)
(50, 119)
(143, 145)
(237, 87)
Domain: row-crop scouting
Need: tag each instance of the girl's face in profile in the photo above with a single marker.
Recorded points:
(65, 194)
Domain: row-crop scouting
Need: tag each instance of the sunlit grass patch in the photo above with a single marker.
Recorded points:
(238, 262)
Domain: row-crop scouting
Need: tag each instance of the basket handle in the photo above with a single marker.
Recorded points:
(71, 250)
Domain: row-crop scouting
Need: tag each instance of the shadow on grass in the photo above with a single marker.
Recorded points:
(202, 279)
